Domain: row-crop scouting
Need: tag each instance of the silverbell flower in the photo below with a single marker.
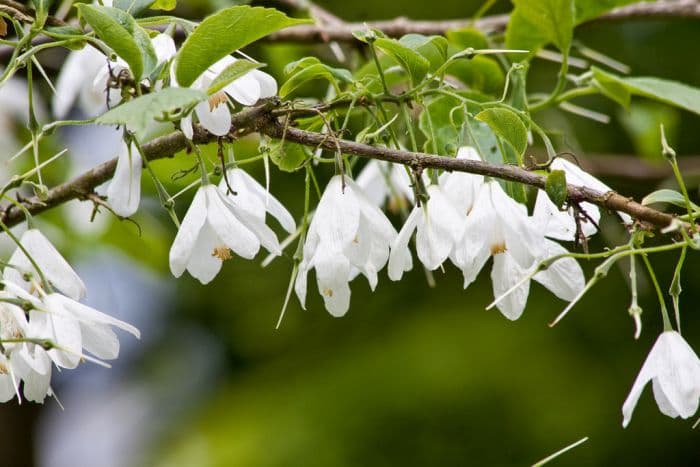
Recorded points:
(213, 114)
(124, 191)
(674, 371)
(348, 236)
(54, 267)
(218, 223)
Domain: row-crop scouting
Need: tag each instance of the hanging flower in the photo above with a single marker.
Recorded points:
(382, 181)
(561, 225)
(498, 226)
(439, 228)
(215, 225)
(86, 75)
(213, 114)
(674, 371)
(348, 235)
(124, 191)
(54, 267)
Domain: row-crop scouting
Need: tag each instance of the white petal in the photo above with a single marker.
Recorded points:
(332, 275)
(217, 120)
(400, 259)
(505, 274)
(88, 315)
(54, 267)
(337, 217)
(565, 277)
(64, 331)
(268, 85)
(245, 89)
(186, 126)
(679, 374)
(187, 235)
(300, 285)
(124, 192)
(203, 265)
(164, 45)
(228, 228)
(78, 70)
(376, 219)
(272, 205)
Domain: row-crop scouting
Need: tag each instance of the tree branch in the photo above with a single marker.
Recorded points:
(682, 9)
(261, 119)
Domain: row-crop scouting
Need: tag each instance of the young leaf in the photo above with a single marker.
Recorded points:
(589, 9)
(166, 5)
(231, 73)
(506, 124)
(121, 33)
(673, 93)
(310, 68)
(433, 48)
(137, 114)
(555, 186)
(414, 63)
(223, 33)
(288, 156)
(668, 196)
(535, 23)
(133, 7)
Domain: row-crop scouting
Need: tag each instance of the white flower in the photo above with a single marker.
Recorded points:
(348, 235)
(53, 266)
(561, 225)
(250, 196)
(439, 228)
(124, 191)
(498, 226)
(215, 225)
(87, 72)
(76, 81)
(213, 114)
(382, 180)
(674, 371)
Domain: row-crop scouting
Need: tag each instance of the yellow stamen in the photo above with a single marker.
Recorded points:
(498, 248)
(216, 100)
(328, 292)
(222, 252)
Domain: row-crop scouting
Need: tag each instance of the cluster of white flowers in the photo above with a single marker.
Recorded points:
(42, 320)
(86, 78)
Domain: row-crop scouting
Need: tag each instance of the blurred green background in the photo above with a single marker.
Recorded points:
(411, 376)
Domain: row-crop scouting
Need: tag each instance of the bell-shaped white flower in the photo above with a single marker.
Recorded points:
(561, 225)
(76, 82)
(252, 197)
(213, 114)
(348, 235)
(215, 225)
(674, 371)
(462, 188)
(86, 75)
(382, 181)
(54, 267)
(439, 227)
(499, 226)
(124, 191)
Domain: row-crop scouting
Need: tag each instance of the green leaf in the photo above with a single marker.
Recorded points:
(589, 9)
(480, 73)
(133, 7)
(555, 186)
(166, 5)
(121, 33)
(466, 38)
(433, 48)
(440, 131)
(535, 23)
(138, 113)
(413, 62)
(670, 92)
(232, 73)
(506, 124)
(311, 68)
(668, 196)
(288, 156)
(223, 33)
